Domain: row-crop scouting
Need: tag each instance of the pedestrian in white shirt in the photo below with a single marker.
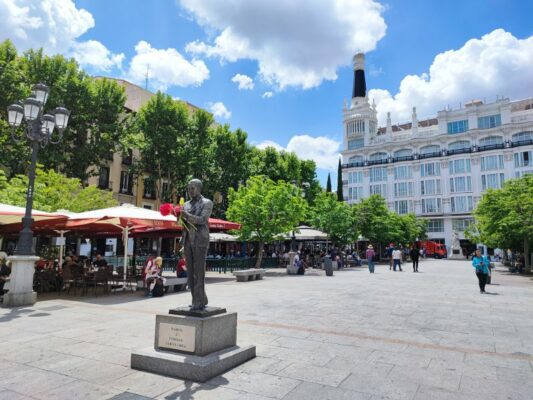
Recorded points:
(397, 259)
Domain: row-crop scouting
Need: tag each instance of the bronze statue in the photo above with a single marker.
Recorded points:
(195, 241)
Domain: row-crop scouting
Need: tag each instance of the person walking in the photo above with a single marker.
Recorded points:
(397, 259)
(370, 258)
(415, 254)
(390, 249)
(482, 265)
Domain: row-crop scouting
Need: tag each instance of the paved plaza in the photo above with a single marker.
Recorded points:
(388, 335)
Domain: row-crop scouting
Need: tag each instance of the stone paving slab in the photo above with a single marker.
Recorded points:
(388, 335)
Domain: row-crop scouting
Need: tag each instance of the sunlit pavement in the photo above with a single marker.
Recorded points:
(389, 335)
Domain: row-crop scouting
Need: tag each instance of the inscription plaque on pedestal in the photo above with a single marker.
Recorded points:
(177, 337)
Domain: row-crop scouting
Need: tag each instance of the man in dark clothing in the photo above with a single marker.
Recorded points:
(414, 254)
(99, 261)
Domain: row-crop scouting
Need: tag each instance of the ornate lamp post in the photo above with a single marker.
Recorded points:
(38, 131)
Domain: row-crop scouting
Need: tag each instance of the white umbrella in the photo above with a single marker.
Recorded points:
(304, 232)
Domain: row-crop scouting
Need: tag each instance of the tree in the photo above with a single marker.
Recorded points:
(266, 209)
(53, 192)
(162, 124)
(504, 217)
(328, 184)
(333, 217)
(375, 222)
(340, 196)
(96, 106)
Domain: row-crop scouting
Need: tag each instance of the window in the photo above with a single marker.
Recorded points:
(354, 127)
(378, 174)
(458, 126)
(379, 189)
(149, 190)
(127, 157)
(166, 195)
(403, 189)
(461, 203)
(431, 206)
(459, 145)
(403, 172)
(522, 159)
(491, 162)
(355, 159)
(355, 193)
(377, 157)
(103, 178)
(402, 207)
(460, 225)
(460, 184)
(460, 166)
(430, 187)
(519, 174)
(430, 149)
(126, 183)
(403, 153)
(490, 121)
(430, 169)
(435, 225)
(522, 136)
(492, 181)
(355, 144)
(355, 177)
(490, 141)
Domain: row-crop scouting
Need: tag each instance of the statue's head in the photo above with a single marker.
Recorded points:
(194, 188)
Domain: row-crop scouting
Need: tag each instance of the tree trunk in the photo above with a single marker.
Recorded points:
(260, 246)
(527, 256)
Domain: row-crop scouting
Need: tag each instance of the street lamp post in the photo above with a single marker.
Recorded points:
(38, 132)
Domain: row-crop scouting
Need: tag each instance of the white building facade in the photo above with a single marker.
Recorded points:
(436, 168)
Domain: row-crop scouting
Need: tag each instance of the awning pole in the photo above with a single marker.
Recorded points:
(125, 237)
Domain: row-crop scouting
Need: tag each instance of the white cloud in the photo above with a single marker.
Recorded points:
(219, 110)
(95, 54)
(166, 67)
(496, 64)
(54, 25)
(296, 43)
(322, 150)
(244, 81)
(267, 95)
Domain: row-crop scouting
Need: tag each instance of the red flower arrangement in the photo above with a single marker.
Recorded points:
(168, 209)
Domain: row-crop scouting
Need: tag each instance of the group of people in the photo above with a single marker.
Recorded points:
(5, 271)
(153, 275)
(395, 256)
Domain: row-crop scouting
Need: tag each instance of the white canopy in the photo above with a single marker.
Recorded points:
(13, 215)
(222, 237)
(304, 232)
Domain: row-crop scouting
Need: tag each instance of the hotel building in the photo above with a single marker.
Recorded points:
(436, 168)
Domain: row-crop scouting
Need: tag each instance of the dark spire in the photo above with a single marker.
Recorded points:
(359, 83)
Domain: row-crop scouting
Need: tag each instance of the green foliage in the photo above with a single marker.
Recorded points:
(333, 217)
(504, 217)
(96, 105)
(265, 209)
(328, 184)
(54, 192)
(379, 225)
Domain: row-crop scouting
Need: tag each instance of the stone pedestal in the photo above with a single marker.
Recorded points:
(456, 254)
(193, 347)
(21, 282)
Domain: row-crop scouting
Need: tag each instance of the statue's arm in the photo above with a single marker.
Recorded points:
(203, 218)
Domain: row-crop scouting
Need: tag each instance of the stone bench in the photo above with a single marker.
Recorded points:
(249, 274)
(170, 281)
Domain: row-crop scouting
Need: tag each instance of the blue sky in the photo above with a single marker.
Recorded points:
(296, 54)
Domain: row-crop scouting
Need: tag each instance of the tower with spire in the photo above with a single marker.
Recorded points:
(360, 118)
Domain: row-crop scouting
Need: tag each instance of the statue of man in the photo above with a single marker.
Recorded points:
(455, 241)
(195, 241)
